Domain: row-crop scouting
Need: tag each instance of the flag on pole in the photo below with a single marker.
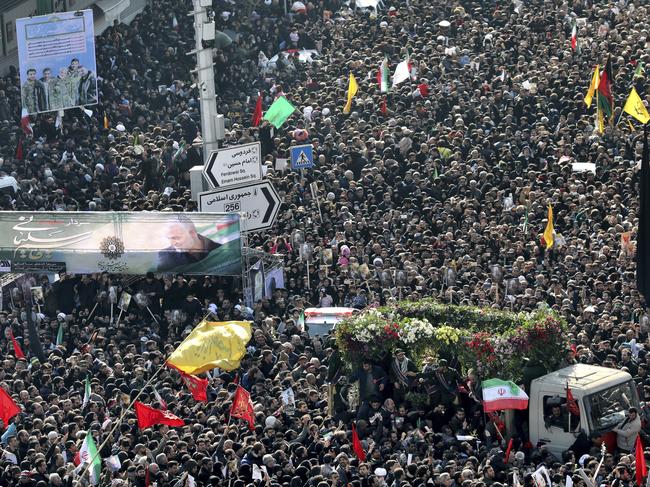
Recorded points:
(59, 335)
(211, 345)
(353, 87)
(502, 394)
(640, 465)
(640, 70)
(105, 121)
(572, 404)
(197, 386)
(382, 76)
(549, 230)
(605, 91)
(242, 407)
(8, 408)
(87, 393)
(593, 86)
(643, 230)
(356, 445)
(383, 108)
(629, 124)
(257, 114)
(148, 416)
(279, 111)
(635, 107)
(402, 72)
(574, 37)
(25, 124)
(18, 352)
(88, 454)
(174, 23)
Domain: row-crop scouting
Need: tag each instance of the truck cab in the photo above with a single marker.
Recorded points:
(603, 396)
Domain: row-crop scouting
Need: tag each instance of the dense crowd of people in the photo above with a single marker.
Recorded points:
(438, 188)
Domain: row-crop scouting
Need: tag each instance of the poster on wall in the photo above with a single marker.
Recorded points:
(56, 56)
(121, 242)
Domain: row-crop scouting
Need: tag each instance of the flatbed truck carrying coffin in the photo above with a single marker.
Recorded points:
(603, 396)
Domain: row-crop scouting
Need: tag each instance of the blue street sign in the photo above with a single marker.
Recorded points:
(302, 157)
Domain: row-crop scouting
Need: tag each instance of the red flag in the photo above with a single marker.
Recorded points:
(148, 416)
(19, 150)
(571, 403)
(18, 352)
(147, 477)
(8, 408)
(424, 90)
(356, 445)
(197, 386)
(257, 115)
(242, 407)
(383, 108)
(508, 450)
(641, 467)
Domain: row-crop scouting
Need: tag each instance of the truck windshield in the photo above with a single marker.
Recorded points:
(607, 408)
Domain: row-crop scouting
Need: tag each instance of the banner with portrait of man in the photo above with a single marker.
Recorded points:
(56, 56)
(121, 242)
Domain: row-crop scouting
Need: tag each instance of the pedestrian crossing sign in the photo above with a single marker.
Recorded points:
(302, 156)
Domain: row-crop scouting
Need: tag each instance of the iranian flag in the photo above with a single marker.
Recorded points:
(502, 394)
(382, 76)
(88, 454)
(574, 36)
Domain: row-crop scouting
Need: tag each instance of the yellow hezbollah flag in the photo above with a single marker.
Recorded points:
(352, 90)
(210, 345)
(593, 86)
(635, 107)
(548, 231)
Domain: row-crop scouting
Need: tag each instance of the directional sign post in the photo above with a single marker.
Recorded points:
(234, 166)
(259, 202)
(302, 157)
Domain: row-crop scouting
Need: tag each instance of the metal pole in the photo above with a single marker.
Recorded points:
(205, 84)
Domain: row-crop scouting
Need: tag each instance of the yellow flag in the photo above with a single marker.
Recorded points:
(635, 107)
(593, 86)
(352, 90)
(212, 344)
(548, 231)
(632, 129)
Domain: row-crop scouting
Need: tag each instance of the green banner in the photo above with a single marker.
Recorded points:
(121, 242)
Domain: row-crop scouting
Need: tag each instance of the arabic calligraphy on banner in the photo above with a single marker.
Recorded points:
(124, 242)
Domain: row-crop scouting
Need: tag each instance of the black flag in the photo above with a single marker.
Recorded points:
(643, 232)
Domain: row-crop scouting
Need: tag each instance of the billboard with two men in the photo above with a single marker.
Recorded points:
(121, 242)
(56, 55)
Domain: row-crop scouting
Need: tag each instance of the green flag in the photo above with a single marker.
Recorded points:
(279, 112)
(59, 335)
(136, 139)
(639, 71)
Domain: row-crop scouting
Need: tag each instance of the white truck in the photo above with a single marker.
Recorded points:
(603, 395)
